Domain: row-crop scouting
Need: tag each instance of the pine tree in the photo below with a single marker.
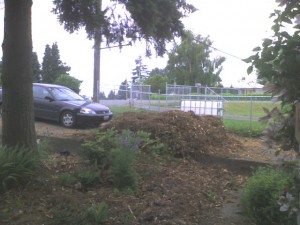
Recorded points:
(52, 66)
(140, 71)
(36, 68)
(123, 92)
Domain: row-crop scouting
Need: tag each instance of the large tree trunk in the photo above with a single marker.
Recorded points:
(17, 116)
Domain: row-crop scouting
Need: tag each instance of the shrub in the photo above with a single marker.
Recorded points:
(98, 149)
(124, 176)
(66, 213)
(90, 176)
(97, 214)
(17, 166)
(117, 150)
(261, 194)
(66, 180)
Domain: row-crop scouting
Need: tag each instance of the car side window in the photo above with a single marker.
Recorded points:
(40, 92)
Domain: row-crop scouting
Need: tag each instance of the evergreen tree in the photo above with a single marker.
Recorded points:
(140, 72)
(123, 92)
(36, 68)
(52, 66)
(102, 95)
(111, 95)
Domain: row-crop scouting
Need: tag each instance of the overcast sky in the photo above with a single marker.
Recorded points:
(234, 26)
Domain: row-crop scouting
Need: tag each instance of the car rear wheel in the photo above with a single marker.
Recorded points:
(67, 119)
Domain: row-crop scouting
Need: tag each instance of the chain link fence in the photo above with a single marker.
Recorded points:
(228, 103)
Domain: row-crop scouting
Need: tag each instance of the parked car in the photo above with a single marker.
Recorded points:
(61, 104)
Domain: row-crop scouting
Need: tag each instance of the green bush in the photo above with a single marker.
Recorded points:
(261, 194)
(66, 180)
(98, 149)
(97, 214)
(66, 213)
(116, 151)
(89, 177)
(17, 166)
(124, 176)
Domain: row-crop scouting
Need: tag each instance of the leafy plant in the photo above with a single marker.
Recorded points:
(124, 175)
(66, 213)
(149, 144)
(126, 218)
(90, 176)
(97, 214)
(66, 180)
(260, 197)
(98, 149)
(17, 166)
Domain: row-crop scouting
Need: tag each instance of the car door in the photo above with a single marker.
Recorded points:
(45, 105)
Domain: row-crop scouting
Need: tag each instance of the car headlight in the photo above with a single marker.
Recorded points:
(87, 111)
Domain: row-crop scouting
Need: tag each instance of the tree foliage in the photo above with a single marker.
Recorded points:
(140, 72)
(36, 68)
(123, 92)
(277, 64)
(69, 81)
(189, 62)
(52, 66)
(111, 95)
(158, 83)
(155, 21)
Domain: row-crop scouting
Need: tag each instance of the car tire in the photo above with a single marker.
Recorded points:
(67, 119)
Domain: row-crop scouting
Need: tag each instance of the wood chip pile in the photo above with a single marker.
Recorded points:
(185, 133)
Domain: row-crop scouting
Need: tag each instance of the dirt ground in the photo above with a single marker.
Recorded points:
(200, 187)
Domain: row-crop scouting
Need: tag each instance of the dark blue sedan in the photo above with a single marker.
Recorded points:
(61, 104)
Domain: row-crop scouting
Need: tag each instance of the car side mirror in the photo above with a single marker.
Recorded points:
(49, 98)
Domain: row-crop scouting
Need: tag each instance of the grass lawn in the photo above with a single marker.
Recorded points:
(245, 127)
(244, 108)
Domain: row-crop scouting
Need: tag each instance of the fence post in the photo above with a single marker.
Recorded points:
(158, 100)
(251, 109)
(131, 96)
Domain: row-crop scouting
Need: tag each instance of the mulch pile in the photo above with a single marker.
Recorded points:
(184, 133)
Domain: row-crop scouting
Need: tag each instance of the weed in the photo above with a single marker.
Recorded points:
(97, 214)
(17, 166)
(90, 176)
(66, 213)
(124, 176)
(66, 180)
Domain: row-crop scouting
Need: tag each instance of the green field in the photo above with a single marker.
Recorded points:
(245, 108)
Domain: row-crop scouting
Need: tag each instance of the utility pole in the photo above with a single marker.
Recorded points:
(97, 49)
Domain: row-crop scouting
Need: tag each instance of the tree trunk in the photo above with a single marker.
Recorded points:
(17, 111)
(97, 46)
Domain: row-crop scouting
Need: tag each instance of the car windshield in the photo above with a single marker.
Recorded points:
(65, 94)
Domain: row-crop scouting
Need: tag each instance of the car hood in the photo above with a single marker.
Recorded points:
(88, 104)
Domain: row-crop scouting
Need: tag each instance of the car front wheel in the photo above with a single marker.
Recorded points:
(67, 119)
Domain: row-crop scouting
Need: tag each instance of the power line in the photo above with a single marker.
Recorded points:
(117, 46)
(226, 53)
